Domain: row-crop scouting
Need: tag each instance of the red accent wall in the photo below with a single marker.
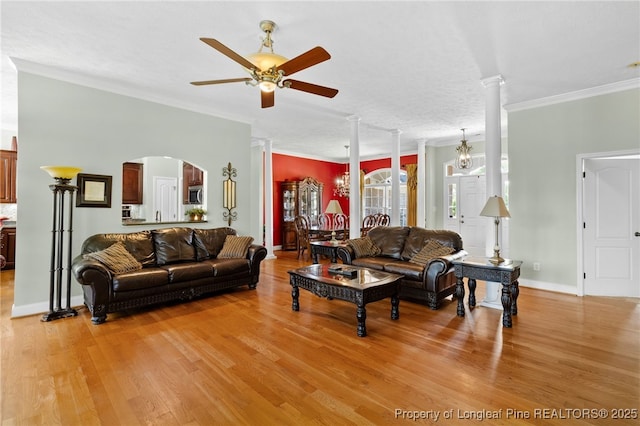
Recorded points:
(290, 168)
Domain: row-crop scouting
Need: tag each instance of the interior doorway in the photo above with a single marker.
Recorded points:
(165, 200)
(609, 222)
(465, 196)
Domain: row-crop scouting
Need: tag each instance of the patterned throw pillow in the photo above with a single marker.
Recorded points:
(430, 250)
(364, 247)
(235, 247)
(116, 258)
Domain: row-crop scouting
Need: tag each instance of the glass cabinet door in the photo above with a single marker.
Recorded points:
(289, 205)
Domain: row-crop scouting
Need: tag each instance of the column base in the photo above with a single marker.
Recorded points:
(492, 298)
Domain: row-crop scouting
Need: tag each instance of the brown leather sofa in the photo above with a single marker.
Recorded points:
(177, 264)
(398, 244)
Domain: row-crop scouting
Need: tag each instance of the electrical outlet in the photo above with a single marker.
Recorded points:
(536, 266)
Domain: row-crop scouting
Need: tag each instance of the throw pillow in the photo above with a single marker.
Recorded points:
(235, 247)
(363, 247)
(116, 258)
(431, 249)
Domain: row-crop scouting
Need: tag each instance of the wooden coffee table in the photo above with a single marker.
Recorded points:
(367, 285)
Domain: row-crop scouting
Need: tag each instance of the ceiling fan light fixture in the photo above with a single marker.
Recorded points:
(265, 60)
(267, 86)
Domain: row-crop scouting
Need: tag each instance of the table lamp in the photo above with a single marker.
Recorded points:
(333, 208)
(495, 208)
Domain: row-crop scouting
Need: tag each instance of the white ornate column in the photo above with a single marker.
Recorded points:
(432, 169)
(354, 167)
(493, 154)
(421, 218)
(395, 177)
(268, 198)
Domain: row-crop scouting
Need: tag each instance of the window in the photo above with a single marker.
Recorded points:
(377, 194)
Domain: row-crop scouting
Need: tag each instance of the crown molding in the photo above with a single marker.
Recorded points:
(119, 88)
(574, 96)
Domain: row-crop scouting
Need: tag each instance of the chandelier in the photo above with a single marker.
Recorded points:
(463, 160)
(343, 183)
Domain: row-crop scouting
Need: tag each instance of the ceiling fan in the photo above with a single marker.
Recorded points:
(268, 69)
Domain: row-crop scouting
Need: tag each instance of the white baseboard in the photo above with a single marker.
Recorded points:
(40, 307)
(541, 285)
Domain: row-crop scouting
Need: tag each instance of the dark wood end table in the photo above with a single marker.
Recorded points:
(479, 268)
(366, 286)
(326, 248)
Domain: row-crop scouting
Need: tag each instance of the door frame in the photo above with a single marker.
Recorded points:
(580, 168)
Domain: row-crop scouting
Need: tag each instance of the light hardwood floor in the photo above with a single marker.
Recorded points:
(245, 357)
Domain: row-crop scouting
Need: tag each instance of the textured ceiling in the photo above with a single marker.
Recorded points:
(412, 66)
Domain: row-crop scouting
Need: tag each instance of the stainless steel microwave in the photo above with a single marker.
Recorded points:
(195, 194)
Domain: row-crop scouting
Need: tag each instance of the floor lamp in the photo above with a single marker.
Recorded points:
(63, 176)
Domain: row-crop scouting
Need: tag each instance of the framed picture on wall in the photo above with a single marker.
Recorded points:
(93, 191)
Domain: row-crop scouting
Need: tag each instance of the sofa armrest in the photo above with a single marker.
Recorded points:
(96, 279)
(256, 254)
(439, 266)
(346, 254)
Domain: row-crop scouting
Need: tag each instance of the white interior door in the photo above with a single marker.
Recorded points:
(611, 232)
(165, 200)
(472, 226)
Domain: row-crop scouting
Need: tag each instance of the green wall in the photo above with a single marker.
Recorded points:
(544, 144)
(61, 123)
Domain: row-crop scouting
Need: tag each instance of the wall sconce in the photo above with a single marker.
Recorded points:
(62, 176)
(229, 193)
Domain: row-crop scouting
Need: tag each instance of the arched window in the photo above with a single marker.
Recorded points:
(377, 194)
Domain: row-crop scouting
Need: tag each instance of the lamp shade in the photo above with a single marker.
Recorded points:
(61, 172)
(334, 207)
(495, 207)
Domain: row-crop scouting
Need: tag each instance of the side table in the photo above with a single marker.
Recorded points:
(326, 248)
(479, 268)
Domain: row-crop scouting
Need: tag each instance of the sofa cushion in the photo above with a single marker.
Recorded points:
(230, 267)
(363, 247)
(235, 247)
(180, 272)
(116, 258)
(390, 239)
(139, 280)
(209, 242)
(411, 271)
(376, 263)
(431, 249)
(139, 244)
(174, 245)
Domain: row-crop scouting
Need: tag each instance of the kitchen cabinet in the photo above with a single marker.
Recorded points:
(8, 246)
(191, 176)
(132, 183)
(8, 169)
(299, 198)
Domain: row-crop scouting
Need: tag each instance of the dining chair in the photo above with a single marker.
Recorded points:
(303, 239)
(340, 226)
(368, 222)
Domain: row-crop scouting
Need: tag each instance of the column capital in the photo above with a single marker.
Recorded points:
(492, 81)
(353, 118)
(396, 131)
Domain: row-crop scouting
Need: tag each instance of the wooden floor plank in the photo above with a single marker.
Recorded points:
(244, 357)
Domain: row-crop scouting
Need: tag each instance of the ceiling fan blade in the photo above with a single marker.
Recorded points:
(228, 52)
(306, 60)
(268, 99)
(311, 88)
(229, 80)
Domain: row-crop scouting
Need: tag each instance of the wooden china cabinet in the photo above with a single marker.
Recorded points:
(299, 198)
